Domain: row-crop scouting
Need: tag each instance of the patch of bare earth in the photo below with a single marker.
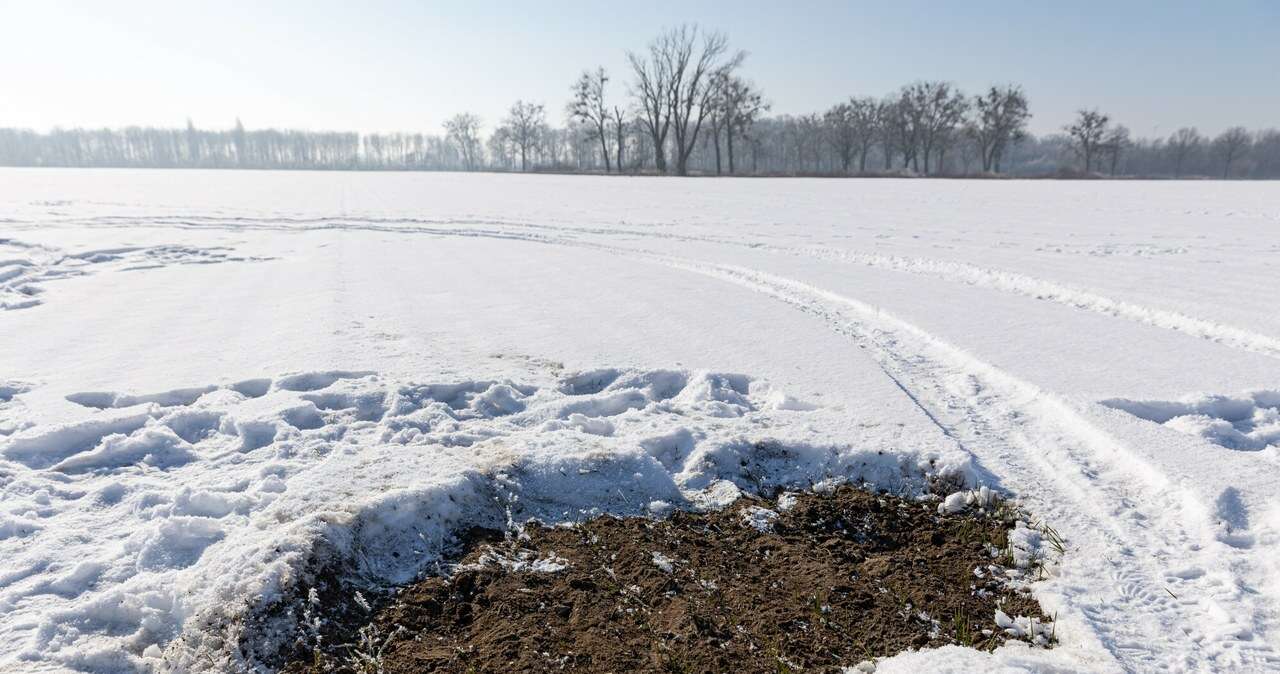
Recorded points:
(831, 581)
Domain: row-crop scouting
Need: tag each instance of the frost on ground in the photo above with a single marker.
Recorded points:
(175, 529)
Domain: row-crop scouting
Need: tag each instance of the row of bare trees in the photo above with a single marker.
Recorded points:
(685, 82)
(1095, 140)
(922, 123)
(686, 108)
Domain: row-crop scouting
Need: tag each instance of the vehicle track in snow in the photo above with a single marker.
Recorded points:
(1123, 519)
(1176, 599)
(1016, 283)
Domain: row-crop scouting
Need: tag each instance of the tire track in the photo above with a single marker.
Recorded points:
(1015, 283)
(1124, 520)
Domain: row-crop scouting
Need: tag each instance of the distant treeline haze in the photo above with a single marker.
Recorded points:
(689, 110)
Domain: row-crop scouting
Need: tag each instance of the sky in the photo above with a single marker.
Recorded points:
(408, 66)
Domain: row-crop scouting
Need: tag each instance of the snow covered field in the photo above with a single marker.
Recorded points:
(212, 382)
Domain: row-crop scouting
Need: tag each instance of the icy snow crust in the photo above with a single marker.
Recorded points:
(214, 383)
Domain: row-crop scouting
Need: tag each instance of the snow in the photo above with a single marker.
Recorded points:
(523, 560)
(1248, 422)
(760, 519)
(663, 562)
(212, 384)
(959, 501)
(1040, 633)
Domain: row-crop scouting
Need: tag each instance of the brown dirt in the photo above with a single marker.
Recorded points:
(839, 579)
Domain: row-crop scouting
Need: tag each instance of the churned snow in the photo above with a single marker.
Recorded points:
(213, 385)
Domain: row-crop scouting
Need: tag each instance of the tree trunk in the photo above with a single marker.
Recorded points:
(715, 137)
(728, 142)
(621, 146)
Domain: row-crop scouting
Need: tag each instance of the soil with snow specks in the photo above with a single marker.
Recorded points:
(829, 581)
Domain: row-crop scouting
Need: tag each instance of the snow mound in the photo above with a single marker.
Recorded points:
(1248, 422)
(186, 529)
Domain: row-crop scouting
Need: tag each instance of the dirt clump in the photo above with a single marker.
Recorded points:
(818, 582)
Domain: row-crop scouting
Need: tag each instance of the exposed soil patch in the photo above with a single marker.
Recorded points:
(828, 582)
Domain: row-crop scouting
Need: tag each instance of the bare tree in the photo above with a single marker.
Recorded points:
(741, 104)
(463, 130)
(948, 129)
(968, 151)
(1231, 145)
(1266, 153)
(907, 119)
(839, 121)
(694, 60)
(809, 133)
(1087, 134)
(588, 105)
(620, 134)
(868, 115)
(1183, 144)
(853, 126)
(501, 148)
(652, 91)
(887, 129)
(525, 124)
(1000, 119)
(1116, 142)
(717, 117)
(936, 109)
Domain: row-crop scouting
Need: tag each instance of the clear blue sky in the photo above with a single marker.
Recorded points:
(378, 66)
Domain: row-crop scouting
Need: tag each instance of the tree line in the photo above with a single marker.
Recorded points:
(688, 109)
